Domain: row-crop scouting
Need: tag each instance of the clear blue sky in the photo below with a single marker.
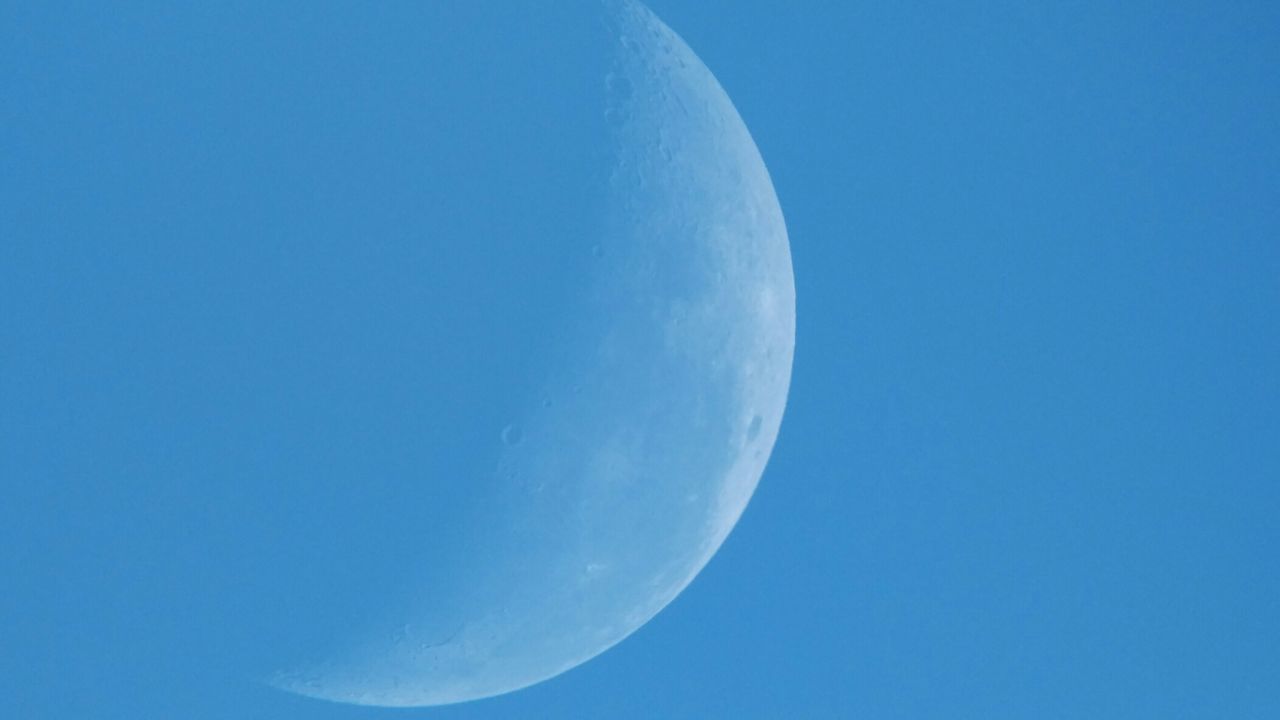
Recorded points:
(1031, 461)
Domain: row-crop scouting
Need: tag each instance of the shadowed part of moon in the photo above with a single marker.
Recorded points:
(668, 399)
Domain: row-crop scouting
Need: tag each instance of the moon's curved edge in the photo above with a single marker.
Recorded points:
(650, 48)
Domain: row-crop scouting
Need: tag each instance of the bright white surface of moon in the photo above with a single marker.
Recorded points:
(639, 450)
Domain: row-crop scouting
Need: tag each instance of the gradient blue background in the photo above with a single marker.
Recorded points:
(1030, 462)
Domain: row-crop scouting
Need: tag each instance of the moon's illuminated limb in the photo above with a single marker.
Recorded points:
(666, 412)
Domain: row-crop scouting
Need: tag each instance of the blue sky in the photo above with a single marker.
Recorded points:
(1029, 466)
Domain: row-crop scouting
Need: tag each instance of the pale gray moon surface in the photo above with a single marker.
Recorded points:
(640, 439)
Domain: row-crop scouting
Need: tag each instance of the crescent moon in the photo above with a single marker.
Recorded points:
(668, 404)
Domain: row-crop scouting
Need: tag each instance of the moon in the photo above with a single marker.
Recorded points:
(640, 440)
